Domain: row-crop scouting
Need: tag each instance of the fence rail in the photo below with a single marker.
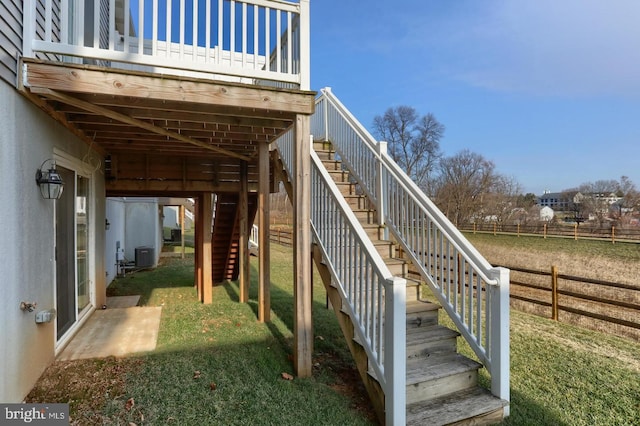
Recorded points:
(615, 304)
(281, 236)
(574, 231)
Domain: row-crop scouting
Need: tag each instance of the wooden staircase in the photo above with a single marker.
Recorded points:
(441, 385)
(226, 235)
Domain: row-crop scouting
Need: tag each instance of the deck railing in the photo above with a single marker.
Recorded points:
(252, 41)
(473, 293)
(371, 295)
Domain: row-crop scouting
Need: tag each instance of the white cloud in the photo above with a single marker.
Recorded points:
(545, 47)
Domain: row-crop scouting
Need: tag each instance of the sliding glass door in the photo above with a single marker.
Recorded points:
(73, 294)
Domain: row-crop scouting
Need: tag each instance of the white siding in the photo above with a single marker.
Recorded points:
(28, 137)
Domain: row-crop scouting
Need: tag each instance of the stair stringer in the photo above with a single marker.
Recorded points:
(374, 390)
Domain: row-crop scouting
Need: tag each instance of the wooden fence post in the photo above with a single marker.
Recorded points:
(545, 231)
(554, 293)
(575, 231)
(518, 230)
(495, 228)
(613, 234)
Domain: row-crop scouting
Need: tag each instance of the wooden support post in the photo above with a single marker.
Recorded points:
(182, 229)
(198, 247)
(302, 287)
(245, 226)
(554, 293)
(264, 280)
(207, 279)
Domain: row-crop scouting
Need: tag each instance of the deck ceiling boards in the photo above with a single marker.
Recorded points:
(151, 116)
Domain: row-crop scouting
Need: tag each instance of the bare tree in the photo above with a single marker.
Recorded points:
(413, 141)
(597, 199)
(501, 202)
(630, 201)
(464, 181)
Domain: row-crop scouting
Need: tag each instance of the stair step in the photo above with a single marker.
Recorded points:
(365, 215)
(476, 406)
(427, 341)
(420, 314)
(396, 266)
(385, 248)
(374, 231)
(358, 201)
(439, 375)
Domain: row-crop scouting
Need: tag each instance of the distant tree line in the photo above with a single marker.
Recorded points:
(468, 188)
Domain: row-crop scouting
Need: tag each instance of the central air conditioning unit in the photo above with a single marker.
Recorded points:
(144, 257)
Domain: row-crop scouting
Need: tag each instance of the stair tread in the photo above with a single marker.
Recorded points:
(429, 333)
(420, 306)
(435, 367)
(454, 408)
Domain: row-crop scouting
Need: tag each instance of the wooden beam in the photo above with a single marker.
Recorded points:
(62, 97)
(70, 78)
(245, 226)
(207, 279)
(264, 280)
(58, 116)
(178, 186)
(302, 287)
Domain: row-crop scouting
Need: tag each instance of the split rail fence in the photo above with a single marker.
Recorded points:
(574, 231)
(606, 306)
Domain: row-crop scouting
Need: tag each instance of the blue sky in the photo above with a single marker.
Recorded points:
(548, 90)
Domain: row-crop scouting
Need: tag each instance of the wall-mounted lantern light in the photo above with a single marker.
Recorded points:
(50, 182)
(107, 225)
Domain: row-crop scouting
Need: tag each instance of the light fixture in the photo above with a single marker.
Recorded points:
(50, 182)
(107, 225)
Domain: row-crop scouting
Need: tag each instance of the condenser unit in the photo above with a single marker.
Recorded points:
(144, 257)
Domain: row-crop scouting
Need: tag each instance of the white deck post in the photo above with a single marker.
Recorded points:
(395, 355)
(499, 345)
(28, 27)
(305, 45)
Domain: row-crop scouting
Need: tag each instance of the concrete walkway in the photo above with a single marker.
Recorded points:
(121, 329)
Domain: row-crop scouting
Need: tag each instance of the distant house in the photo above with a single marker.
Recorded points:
(560, 201)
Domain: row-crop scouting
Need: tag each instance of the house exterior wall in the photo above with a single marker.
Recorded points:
(115, 214)
(10, 38)
(143, 227)
(28, 137)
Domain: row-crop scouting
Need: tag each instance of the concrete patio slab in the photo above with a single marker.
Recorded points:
(115, 331)
(122, 301)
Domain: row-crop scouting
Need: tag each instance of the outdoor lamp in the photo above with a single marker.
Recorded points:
(50, 182)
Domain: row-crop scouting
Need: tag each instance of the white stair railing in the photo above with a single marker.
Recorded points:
(473, 293)
(371, 295)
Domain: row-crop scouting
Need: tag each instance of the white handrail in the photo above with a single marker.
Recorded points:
(236, 45)
(371, 295)
(473, 294)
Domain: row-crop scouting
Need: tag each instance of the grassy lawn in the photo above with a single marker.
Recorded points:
(216, 364)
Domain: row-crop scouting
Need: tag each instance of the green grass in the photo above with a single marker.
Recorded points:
(560, 374)
(566, 375)
(222, 346)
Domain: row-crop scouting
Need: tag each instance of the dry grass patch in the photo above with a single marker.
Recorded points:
(597, 260)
